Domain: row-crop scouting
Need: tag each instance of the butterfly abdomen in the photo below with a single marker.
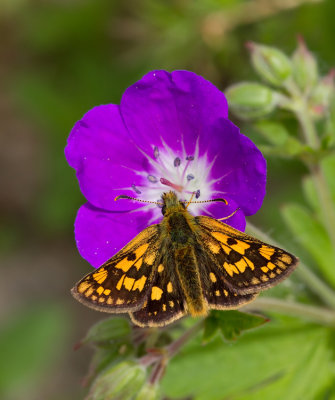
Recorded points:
(189, 278)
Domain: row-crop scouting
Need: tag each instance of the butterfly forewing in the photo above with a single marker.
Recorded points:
(247, 264)
(122, 283)
(165, 301)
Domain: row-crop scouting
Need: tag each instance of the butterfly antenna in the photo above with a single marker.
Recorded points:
(190, 201)
(135, 199)
(205, 201)
(228, 216)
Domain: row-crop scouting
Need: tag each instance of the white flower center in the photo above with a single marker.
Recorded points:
(183, 173)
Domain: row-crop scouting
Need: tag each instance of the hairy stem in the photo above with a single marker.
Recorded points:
(175, 346)
(315, 314)
(320, 288)
(311, 137)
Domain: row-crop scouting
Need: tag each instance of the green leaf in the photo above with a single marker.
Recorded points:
(314, 367)
(233, 323)
(311, 234)
(210, 329)
(278, 351)
(108, 331)
(29, 344)
(310, 193)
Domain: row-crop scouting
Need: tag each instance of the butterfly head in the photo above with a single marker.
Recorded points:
(171, 203)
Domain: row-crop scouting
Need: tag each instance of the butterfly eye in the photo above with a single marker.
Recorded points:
(163, 210)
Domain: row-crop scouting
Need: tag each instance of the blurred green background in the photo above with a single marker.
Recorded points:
(60, 58)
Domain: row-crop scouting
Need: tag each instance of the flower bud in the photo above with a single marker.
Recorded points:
(122, 381)
(148, 392)
(322, 94)
(305, 68)
(270, 63)
(251, 100)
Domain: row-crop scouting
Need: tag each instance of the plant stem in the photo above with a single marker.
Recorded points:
(320, 288)
(175, 346)
(325, 199)
(161, 360)
(308, 128)
(315, 314)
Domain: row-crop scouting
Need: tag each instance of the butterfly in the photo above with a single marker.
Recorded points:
(183, 265)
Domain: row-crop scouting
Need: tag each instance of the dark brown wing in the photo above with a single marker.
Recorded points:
(165, 301)
(123, 282)
(217, 292)
(246, 264)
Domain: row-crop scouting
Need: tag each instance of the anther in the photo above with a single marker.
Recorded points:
(190, 177)
(152, 179)
(189, 158)
(156, 152)
(176, 162)
(135, 189)
(197, 194)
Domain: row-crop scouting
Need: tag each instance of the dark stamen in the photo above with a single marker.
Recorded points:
(189, 158)
(176, 162)
(190, 177)
(135, 189)
(152, 179)
(156, 152)
(197, 194)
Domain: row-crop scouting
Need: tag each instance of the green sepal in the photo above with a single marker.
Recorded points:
(121, 381)
(305, 67)
(270, 63)
(148, 392)
(274, 132)
(250, 100)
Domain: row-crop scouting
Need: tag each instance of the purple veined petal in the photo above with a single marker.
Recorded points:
(176, 107)
(219, 210)
(239, 169)
(100, 234)
(106, 160)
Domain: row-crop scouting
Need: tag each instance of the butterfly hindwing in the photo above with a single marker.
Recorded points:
(165, 300)
(122, 283)
(217, 293)
(248, 265)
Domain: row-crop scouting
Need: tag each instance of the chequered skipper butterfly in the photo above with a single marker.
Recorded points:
(184, 264)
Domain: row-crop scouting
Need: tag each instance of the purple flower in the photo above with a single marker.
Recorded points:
(170, 132)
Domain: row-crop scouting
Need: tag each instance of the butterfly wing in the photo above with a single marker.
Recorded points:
(217, 292)
(247, 265)
(165, 301)
(123, 282)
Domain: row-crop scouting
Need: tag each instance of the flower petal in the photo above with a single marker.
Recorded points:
(239, 168)
(101, 234)
(106, 160)
(174, 107)
(220, 210)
